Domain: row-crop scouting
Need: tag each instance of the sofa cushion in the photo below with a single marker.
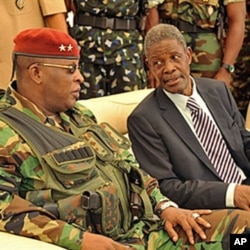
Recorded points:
(13, 242)
(116, 108)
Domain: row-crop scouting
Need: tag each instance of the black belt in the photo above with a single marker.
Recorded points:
(186, 27)
(106, 22)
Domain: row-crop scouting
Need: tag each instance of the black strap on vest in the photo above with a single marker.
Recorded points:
(44, 138)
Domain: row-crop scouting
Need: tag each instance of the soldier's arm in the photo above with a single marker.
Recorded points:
(57, 21)
(236, 13)
(152, 18)
(153, 191)
(55, 14)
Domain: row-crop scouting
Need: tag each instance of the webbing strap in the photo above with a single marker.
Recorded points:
(43, 138)
(148, 209)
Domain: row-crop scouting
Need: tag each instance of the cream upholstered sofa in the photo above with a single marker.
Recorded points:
(113, 109)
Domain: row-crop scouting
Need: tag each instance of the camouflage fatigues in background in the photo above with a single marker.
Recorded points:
(241, 76)
(111, 58)
(24, 178)
(198, 19)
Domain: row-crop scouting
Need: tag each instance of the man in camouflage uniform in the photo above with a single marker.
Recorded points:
(203, 25)
(43, 186)
(111, 45)
(241, 76)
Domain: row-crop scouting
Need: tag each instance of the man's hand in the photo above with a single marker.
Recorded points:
(242, 197)
(185, 219)
(97, 241)
(225, 76)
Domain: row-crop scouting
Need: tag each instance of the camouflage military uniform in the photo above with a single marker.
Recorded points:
(22, 176)
(111, 54)
(199, 22)
(241, 76)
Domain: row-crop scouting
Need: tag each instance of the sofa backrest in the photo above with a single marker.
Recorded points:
(116, 108)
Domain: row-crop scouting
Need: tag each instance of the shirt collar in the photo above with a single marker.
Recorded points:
(180, 100)
(23, 104)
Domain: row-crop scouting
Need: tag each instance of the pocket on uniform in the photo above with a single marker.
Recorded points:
(109, 213)
(72, 165)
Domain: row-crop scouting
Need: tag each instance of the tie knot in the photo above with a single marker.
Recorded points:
(192, 104)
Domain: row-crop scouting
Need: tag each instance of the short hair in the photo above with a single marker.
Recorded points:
(161, 32)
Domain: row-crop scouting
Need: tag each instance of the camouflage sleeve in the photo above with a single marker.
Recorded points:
(226, 2)
(18, 215)
(153, 3)
(153, 190)
(85, 111)
(49, 7)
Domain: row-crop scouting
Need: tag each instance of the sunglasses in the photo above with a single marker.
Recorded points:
(72, 68)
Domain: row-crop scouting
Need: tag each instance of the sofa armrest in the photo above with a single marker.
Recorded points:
(13, 242)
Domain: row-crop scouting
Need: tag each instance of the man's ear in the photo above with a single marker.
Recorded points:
(146, 62)
(34, 72)
(189, 55)
(153, 80)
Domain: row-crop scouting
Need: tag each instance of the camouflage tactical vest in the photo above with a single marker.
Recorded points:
(98, 190)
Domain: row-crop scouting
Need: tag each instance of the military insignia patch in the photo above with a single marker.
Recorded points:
(20, 4)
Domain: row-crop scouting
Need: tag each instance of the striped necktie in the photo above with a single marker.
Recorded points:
(213, 144)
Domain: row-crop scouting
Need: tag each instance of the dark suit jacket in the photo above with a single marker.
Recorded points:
(166, 147)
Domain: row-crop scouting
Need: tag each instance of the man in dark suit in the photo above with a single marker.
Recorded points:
(163, 136)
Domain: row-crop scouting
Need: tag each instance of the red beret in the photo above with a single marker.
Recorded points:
(46, 42)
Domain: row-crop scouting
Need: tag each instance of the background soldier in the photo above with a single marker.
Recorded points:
(111, 45)
(203, 25)
(241, 76)
(23, 14)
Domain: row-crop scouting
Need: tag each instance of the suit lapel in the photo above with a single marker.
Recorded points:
(176, 121)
